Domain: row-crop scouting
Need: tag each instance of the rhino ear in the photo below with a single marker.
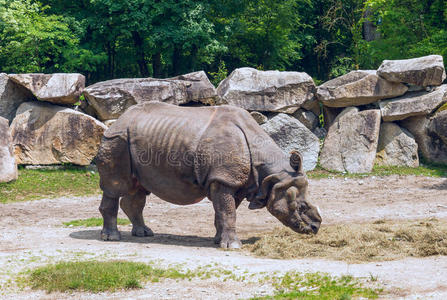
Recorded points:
(296, 161)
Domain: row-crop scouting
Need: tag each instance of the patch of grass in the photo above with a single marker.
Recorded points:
(93, 222)
(320, 286)
(378, 241)
(94, 276)
(38, 184)
(427, 170)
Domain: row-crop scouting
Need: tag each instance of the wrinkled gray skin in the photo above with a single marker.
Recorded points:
(184, 154)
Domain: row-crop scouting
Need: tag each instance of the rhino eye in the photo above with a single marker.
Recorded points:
(303, 206)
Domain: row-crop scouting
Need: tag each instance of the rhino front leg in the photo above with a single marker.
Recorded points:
(109, 212)
(225, 216)
(133, 206)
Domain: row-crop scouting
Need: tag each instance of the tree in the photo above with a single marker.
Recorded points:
(31, 41)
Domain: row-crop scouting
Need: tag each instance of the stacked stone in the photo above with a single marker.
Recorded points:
(405, 95)
(383, 117)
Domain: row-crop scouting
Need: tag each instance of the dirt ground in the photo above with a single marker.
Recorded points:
(31, 234)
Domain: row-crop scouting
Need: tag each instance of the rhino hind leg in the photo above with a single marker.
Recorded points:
(133, 206)
(109, 212)
(225, 206)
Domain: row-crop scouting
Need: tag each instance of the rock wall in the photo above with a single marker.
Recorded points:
(388, 116)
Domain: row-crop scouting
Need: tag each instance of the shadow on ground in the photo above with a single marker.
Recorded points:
(160, 238)
(438, 186)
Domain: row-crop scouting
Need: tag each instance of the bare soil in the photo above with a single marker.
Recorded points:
(31, 234)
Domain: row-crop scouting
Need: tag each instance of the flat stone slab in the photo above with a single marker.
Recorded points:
(272, 91)
(58, 88)
(358, 88)
(413, 104)
(111, 98)
(421, 71)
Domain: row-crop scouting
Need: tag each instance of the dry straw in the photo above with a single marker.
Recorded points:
(378, 241)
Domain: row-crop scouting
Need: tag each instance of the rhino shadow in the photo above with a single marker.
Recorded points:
(159, 238)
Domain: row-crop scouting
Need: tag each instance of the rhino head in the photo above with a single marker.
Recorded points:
(285, 194)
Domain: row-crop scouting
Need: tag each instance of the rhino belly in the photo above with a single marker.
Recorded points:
(171, 188)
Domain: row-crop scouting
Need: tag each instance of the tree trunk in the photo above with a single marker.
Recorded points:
(156, 65)
(139, 48)
(176, 56)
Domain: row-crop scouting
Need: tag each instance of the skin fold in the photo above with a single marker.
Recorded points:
(184, 154)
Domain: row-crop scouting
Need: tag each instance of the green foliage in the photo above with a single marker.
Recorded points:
(93, 222)
(38, 184)
(220, 75)
(31, 41)
(106, 39)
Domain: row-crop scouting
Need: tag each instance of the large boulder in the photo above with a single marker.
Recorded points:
(413, 104)
(11, 96)
(45, 134)
(307, 118)
(59, 88)
(397, 147)
(351, 142)
(8, 166)
(358, 88)
(272, 91)
(290, 135)
(432, 144)
(438, 125)
(111, 98)
(421, 71)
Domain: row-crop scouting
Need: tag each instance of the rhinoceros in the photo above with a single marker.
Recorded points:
(184, 154)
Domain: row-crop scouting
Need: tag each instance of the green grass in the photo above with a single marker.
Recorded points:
(428, 170)
(320, 286)
(38, 184)
(93, 222)
(94, 276)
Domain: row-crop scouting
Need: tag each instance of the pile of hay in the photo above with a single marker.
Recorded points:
(378, 241)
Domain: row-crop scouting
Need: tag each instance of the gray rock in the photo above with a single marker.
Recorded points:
(358, 88)
(8, 166)
(351, 142)
(432, 146)
(111, 98)
(272, 91)
(422, 71)
(259, 117)
(59, 88)
(11, 96)
(438, 125)
(45, 134)
(290, 135)
(329, 115)
(413, 104)
(397, 147)
(307, 118)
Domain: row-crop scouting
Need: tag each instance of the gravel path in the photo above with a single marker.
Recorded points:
(31, 234)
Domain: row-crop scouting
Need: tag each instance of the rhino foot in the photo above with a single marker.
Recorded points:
(228, 242)
(142, 231)
(110, 235)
